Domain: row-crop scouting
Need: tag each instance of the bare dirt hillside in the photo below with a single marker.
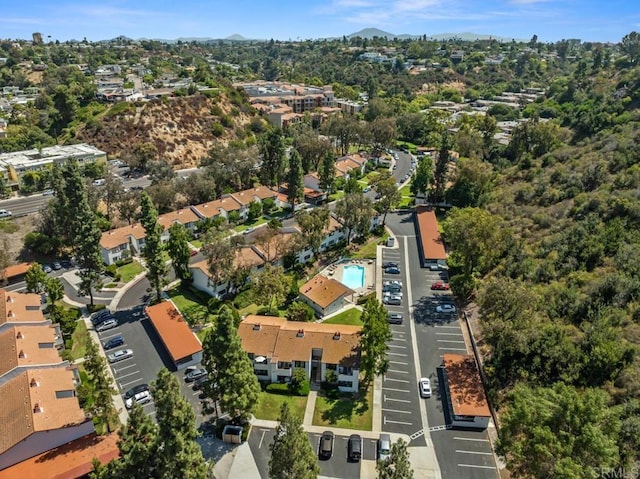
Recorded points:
(183, 129)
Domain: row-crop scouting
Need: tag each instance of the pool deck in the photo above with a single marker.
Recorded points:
(336, 271)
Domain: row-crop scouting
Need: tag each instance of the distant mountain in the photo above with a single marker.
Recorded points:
(369, 33)
(236, 37)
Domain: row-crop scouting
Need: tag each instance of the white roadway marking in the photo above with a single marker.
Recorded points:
(470, 439)
(396, 390)
(397, 371)
(389, 421)
(395, 400)
(450, 341)
(398, 362)
(449, 334)
(122, 385)
(396, 380)
(396, 411)
(448, 327)
(127, 375)
(474, 452)
(396, 346)
(477, 467)
(452, 349)
(264, 431)
(397, 354)
(126, 367)
(110, 336)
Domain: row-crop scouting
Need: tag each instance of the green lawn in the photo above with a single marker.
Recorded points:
(367, 250)
(336, 196)
(406, 190)
(345, 412)
(196, 242)
(193, 308)
(269, 404)
(253, 224)
(130, 271)
(80, 338)
(350, 316)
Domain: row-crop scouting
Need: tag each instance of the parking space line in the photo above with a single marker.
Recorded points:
(396, 380)
(122, 369)
(398, 362)
(470, 439)
(450, 341)
(389, 421)
(396, 400)
(152, 413)
(397, 354)
(398, 339)
(123, 385)
(449, 334)
(452, 349)
(477, 467)
(474, 452)
(127, 375)
(397, 371)
(110, 336)
(396, 411)
(396, 390)
(396, 346)
(448, 327)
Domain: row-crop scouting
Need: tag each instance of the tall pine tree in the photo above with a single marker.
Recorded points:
(153, 247)
(272, 151)
(179, 251)
(295, 181)
(291, 453)
(373, 339)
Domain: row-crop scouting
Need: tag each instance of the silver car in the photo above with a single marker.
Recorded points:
(108, 324)
(120, 355)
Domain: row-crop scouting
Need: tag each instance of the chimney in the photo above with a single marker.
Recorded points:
(336, 335)
(10, 314)
(34, 383)
(256, 327)
(19, 335)
(300, 333)
(22, 354)
(9, 299)
(37, 408)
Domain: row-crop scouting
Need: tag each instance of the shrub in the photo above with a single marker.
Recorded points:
(244, 299)
(278, 388)
(299, 311)
(122, 262)
(366, 297)
(217, 129)
(299, 384)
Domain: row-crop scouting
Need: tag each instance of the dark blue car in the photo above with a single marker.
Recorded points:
(113, 343)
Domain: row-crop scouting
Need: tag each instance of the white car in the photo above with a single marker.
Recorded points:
(446, 308)
(5, 214)
(425, 387)
(141, 398)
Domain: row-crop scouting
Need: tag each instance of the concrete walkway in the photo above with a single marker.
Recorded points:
(311, 405)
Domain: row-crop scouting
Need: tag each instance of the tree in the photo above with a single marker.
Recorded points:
(179, 250)
(472, 183)
(232, 382)
(397, 465)
(128, 205)
(54, 289)
(87, 250)
(385, 186)
(423, 177)
(355, 211)
(272, 151)
(291, 453)
(312, 148)
(299, 311)
(111, 192)
(197, 188)
(255, 210)
(101, 407)
(630, 45)
(270, 286)
(295, 184)
(327, 172)
(153, 247)
(441, 169)
(181, 455)
(220, 254)
(559, 432)
(36, 278)
(374, 336)
(313, 225)
(383, 134)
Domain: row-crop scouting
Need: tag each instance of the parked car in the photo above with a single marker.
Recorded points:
(391, 288)
(48, 192)
(389, 264)
(195, 374)
(425, 387)
(56, 266)
(437, 267)
(384, 447)
(5, 214)
(392, 271)
(393, 300)
(395, 293)
(106, 325)
(354, 448)
(199, 383)
(120, 355)
(143, 397)
(101, 316)
(446, 308)
(137, 188)
(440, 285)
(326, 445)
(394, 318)
(367, 189)
(46, 268)
(112, 343)
(135, 390)
(392, 282)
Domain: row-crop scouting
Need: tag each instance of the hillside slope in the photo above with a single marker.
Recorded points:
(183, 129)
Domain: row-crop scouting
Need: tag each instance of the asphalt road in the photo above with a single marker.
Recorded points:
(461, 454)
(337, 466)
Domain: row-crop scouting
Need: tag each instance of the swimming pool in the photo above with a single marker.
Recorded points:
(353, 276)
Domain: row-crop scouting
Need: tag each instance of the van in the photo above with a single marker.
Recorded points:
(354, 448)
(384, 447)
(391, 241)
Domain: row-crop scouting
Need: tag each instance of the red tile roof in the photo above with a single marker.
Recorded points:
(14, 270)
(465, 386)
(430, 238)
(173, 330)
(324, 291)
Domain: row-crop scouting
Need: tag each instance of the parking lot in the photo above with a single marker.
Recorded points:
(149, 356)
(400, 397)
(336, 467)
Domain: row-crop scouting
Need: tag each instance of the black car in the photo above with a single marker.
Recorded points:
(97, 317)
(191, 376)
(101, 319)
(354, 448)
(389, 264)
(136, 390)
(113, 343)
(326, 445)
(199, 383)
(392, 271)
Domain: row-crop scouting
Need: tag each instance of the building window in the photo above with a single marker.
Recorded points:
(345, 384)
(345, 371)
(331, 367)
(300, 364)
(284, 365)
(261, 372)
(69, 393)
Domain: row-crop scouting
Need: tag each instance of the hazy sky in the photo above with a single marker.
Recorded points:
(551, 20)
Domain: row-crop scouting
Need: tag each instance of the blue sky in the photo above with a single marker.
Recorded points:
(551, 20)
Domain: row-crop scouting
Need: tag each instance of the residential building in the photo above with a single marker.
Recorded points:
(39, 410)
(122, 242)
(430, 245)
(185, 216)
(19, 162)
(14, 273)
(346, 164)
(465, 396)
(325, 295)
(277, 347)
(3, 127)
(220, 207)
(349, 106)
(181, 343)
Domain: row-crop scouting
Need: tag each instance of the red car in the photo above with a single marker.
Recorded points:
(440, 285)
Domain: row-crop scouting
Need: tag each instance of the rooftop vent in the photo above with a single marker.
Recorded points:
(256, 327)
(336, 335)
(9, 299)
(22, 354)
(300, 333)
(34, 383)
(37, 408)
(11, 314)
(19, 335)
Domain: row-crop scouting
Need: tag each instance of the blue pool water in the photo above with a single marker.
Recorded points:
(353, 276)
